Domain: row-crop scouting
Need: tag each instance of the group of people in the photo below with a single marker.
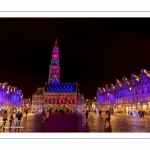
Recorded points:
(45, 115)
(106, 115)
(141, 113)
(11, 119)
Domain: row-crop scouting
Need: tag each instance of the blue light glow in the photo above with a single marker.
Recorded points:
(62, 87)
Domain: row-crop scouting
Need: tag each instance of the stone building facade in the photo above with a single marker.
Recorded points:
(37, 99)
(126, 96)
(56, 95)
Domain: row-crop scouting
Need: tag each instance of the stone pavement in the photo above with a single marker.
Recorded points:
(77, 123)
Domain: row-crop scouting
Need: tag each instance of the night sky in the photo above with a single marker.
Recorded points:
(93, 51)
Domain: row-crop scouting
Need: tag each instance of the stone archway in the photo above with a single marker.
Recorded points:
(124, 109)
(139, 108)
(144, 107)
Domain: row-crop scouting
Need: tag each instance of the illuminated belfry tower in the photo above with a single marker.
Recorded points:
(54, 68)
(54, 84)
(57, 94)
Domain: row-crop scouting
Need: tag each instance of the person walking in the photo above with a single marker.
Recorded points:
(18, 117)
(50, 111)
(11, 119)
(61, 111)
(47, 116)
(4, 119)
(87, 114)
(26, 112)
(107, 117)
(43, 114)
(143, 114)
(100, 112)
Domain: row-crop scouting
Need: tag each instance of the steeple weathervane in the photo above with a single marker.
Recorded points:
(55, 42)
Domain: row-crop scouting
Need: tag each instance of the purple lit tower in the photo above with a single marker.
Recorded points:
(54, 68)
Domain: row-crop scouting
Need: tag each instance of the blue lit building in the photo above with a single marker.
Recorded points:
(10, 98)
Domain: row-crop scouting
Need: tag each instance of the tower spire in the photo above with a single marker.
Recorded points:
(54, 70)
(55, 42)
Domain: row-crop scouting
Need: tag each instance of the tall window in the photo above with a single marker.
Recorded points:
(141, 81)
(142, 90)
(136, 90)
(147, 89)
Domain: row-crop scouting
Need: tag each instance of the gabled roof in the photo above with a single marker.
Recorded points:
(148, 72)
(120, 82)
(137, 76)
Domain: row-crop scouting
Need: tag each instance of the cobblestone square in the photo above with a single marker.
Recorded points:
(76, 123)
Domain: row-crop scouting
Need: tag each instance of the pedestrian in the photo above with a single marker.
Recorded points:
(100, 112)
(11, 119)
(18, 119)
(47, 116)
(107, 117)
(4, 119)
(61, 111)
(50, 111)
(95, 112)
(131, 113)
(43, 114)
(26, 112)
(142, 113)
(87, 114)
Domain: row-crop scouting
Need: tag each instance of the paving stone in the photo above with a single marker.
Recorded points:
(77, 123)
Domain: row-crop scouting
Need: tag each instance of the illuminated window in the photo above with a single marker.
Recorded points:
(148, 89)
(141, 81)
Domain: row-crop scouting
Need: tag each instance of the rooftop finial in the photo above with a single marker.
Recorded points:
(55, 42)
